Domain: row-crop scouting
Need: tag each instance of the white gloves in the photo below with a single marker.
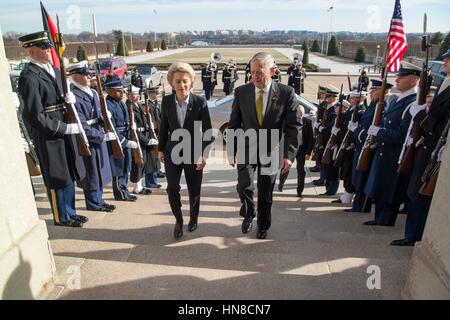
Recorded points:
(69, 98)
(352, 126)
(373, 130)
(416, 108)
(26, 148)
(335, 131)
(72, 128)
(409, 141)
(440, 153)
(152, 142)
(350, 147)
(108, 113)
(321, 128)
(316, 125)
(109, 136)
(134, 127)
(131, 144)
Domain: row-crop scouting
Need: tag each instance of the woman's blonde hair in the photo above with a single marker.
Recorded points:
(180, 67)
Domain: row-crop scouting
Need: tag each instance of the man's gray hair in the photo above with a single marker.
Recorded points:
(266, 57)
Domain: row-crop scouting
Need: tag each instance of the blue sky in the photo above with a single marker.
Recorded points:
(172, 16)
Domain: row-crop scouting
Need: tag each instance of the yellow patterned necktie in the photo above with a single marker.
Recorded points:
(259, 107)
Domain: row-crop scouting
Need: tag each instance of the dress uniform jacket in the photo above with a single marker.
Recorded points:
(98, 168)
(121, 122)
(384, 184)
(45, 111)
(331, 172)
(209, 78)
(432, 124)
(359, 138)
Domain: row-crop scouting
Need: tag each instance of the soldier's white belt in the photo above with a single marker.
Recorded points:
(92, 121)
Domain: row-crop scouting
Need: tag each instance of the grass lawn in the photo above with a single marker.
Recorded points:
(202, 55)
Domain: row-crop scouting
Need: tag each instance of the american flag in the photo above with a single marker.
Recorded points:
(397, 45)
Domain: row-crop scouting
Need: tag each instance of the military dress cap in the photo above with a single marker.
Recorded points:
(345, 104)
(153, 89)
(446, 54)
(407, 69)
(356, 93)
(37, 39)
(114, 84)
(376, 84)
(331, 91)
(133, 89)
(81, 67)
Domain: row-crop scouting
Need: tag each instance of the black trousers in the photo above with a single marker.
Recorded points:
(245, 188)
(301, 174)
(194, 184)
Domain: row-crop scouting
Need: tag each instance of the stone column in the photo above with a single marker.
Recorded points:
(429, 274)
(26, 260)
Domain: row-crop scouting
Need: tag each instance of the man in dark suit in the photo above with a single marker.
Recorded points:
(261, 107)
(432, 121)
(306, 142)
(45, 110)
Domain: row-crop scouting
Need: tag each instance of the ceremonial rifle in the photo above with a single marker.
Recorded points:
(72, 115)
(407, 155)
(149, 122)
(319, 139)
(329, 149)
(138, 157)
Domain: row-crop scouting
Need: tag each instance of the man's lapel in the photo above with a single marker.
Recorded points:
(274, 94)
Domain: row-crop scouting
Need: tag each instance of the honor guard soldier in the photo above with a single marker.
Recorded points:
(153, 164)
(384, 185)
(248, 73)
(229, 77)
(356, 100)
(120, 167)
(433, 121)
(296, 76)
(45, 111)
(363, 80)
(136, 80)
(138, 171)
(319, 114)
(361, 203)
(277, 76)
(209, 79)
(98, 168)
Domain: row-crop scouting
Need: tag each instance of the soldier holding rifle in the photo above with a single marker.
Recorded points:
(384, 185)
(98, 169)
(433, 122)
(41, 90)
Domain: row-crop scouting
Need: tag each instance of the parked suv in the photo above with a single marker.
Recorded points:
(437, 72)
(116, 64)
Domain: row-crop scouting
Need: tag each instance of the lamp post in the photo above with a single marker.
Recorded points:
(340, 49)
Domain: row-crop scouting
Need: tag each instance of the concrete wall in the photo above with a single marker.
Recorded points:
(429, 275)
(26, 260)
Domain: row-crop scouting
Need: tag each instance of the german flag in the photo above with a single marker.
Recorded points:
(52, 31)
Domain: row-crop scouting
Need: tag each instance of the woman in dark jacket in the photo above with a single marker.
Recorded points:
(185, 119)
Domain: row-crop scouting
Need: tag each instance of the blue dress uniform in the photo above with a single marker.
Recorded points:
(331, 173)
(45, 111)
(98, 169)
(120, 168)
(361, 203)
(432, 123)
(384, 185)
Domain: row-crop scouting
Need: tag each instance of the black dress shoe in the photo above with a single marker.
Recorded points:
(261, 234)
(109, 206)
(144, 192)
(370, 223)
(403, 243)
(337, 201)
(102, 209)
(280, 188)
(132, 198)
(81, 218)
(247, 225)
(348, 210)
(161, 175)
(192, 226)
(178, 231)
(70, 223)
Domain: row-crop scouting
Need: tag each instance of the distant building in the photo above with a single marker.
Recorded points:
(200, 44)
